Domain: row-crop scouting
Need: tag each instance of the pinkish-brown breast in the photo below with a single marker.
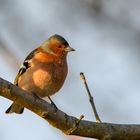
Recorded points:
(45, 76)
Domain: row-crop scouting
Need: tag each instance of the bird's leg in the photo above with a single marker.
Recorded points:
(53, 104)
(35, 95)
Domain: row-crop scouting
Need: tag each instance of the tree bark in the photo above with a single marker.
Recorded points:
(68, 124)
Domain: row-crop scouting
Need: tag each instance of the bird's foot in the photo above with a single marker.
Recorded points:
(35, 95)
(53, 104)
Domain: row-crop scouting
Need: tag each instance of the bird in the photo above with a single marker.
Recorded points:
(44, 70)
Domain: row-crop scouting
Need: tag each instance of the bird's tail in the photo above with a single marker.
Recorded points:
(15, 108)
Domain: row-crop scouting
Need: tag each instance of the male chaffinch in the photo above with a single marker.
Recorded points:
(44, 70)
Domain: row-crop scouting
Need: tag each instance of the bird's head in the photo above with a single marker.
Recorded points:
(56, 45)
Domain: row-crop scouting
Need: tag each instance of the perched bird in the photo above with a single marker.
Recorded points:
(44, 70)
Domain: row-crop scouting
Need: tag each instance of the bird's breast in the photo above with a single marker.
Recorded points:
(44, 79)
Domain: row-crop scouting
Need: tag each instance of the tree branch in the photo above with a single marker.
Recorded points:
(64, 122)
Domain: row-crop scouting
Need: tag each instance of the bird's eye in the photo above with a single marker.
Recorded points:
(59, 46)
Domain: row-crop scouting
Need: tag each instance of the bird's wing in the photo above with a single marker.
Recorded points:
(25, 65)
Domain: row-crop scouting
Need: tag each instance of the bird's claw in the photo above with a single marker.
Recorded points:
(53, 104)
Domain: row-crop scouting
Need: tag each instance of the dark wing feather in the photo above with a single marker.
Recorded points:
(25, 66)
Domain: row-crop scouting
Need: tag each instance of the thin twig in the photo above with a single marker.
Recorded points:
(90, 98)
(75, 126)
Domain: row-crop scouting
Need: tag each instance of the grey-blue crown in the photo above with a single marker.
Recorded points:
(61, 39)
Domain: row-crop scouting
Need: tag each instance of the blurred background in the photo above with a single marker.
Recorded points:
(106, 36)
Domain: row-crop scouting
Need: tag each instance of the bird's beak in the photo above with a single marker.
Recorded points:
(69, 49)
